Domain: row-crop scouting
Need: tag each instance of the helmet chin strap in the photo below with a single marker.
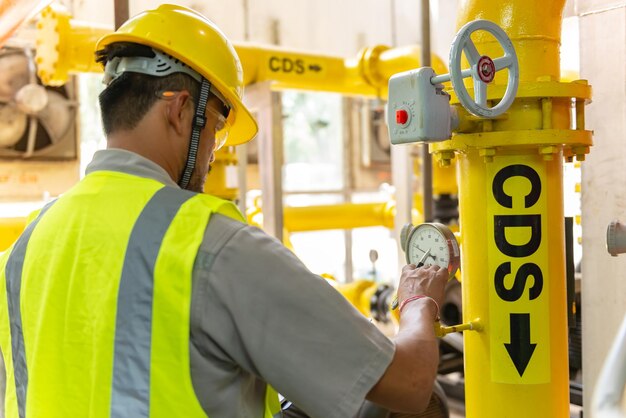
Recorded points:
(199, 121)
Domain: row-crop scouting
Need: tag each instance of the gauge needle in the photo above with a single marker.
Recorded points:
(430, 255)
(421, 262)
(394, 303)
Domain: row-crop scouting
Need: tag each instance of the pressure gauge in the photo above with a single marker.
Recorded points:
(431, 243)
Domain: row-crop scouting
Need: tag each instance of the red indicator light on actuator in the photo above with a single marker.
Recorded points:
(402, 116)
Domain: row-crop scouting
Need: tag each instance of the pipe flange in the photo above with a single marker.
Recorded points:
(368, 66)
(51, 28)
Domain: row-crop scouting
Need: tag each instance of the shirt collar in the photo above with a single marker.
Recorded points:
(128, 162)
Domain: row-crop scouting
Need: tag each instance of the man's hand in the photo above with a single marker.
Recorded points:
(407, 383)
(428, 280)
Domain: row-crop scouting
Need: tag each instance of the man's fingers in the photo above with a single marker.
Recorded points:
(408, 268)
(434, 267)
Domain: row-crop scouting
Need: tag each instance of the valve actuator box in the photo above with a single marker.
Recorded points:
(417, 110)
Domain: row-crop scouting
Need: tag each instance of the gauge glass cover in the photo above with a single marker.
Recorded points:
(438, 241)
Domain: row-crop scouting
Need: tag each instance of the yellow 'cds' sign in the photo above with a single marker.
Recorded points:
(518, 268)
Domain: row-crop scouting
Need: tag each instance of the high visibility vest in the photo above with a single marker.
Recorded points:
(94, 313)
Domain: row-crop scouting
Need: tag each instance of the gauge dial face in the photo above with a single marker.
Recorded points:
(433, 243)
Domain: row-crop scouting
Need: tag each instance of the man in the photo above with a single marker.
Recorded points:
(134, 295)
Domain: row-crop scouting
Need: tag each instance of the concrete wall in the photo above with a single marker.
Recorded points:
(603, 63)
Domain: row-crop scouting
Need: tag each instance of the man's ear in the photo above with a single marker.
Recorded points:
(179, 111)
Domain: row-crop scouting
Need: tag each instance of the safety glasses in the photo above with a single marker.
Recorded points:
(221, 126)
(214, 119)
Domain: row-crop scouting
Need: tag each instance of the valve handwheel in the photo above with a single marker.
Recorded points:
(482, 69)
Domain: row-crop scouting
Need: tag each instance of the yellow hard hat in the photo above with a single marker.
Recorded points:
(199, 43)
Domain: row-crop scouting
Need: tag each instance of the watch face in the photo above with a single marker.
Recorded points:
(432, 243)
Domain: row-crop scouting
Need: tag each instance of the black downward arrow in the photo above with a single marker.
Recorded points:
(520, 350)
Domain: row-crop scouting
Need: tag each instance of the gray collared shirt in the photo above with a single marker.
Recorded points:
(259, 315)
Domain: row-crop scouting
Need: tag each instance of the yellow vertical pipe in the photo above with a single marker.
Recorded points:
(534, 27)
(517, 367)
(488, 394)
(222, 178)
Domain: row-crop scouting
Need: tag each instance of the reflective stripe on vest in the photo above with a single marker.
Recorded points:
(133, 328)
(14, 283)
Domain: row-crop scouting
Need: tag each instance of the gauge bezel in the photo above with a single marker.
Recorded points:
(450, 241)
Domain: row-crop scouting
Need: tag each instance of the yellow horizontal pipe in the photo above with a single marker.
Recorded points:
(10, 230)
(67, 46)
(367, 75)
(300, 70)
(396, 60)
(341, 216)
(359, 293)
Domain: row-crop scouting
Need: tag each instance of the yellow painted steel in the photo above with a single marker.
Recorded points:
(506, 303)
(487, 393)
(340, 216)
(65, 46)
(509, 172)
(10, 230)
(359, 293)
(444, 181)
(442, 331)
(534, 27)
(222, 178)
(323, 217)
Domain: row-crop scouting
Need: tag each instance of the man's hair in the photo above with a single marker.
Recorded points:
(127, 99)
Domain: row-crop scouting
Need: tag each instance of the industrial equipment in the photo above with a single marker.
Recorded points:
(370, 298)
(39, 144)
(509, 159)
(431, 243)
(418, 108)
(35, 121)
(67, 46)
(616, 238)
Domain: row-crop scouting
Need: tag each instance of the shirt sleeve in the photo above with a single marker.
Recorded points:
(272, 317)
